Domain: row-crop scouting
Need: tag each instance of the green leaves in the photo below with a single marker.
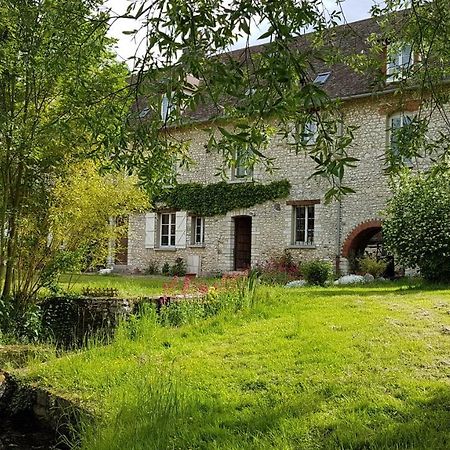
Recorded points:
(220, 198)
(417, 226)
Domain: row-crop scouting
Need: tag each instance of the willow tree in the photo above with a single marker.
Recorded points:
(63, 98)
(270, 88)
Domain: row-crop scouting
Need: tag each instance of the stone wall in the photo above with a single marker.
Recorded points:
(70, 321)
(272, 221)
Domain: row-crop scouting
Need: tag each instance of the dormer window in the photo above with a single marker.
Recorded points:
(166, 108)
(399, 60)
(322, 78)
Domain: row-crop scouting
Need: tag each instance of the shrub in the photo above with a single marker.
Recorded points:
(417, 227)
(165, 270)
(178, 269)
(316, 272)
(152, 268)
(278, 269)
(375, 267)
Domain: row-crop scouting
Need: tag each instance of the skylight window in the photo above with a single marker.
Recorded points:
(322, 78)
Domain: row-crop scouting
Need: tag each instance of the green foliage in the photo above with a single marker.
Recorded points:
(375, 267)
(275, 83)
(152, 268)
(165, 270)
(417, 225)
(178, 268)
(20, 322)
(278, 269)
(220, 198)
(423, 25)
(175, 387)
(316, 272)
(57, 81)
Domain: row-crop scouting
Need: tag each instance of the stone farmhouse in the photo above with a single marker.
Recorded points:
(301, 223)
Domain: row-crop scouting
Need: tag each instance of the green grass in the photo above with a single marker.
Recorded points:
(316, 368)
(128, 285)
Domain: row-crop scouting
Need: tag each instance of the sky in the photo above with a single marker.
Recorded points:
(126, 47)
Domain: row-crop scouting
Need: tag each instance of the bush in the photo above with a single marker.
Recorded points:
(178, 269)
(417, 227)
(152, 268)
(316, 272)
(165, 270)
(278, 269)
(375, 267)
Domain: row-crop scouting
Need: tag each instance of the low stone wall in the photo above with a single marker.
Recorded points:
(27, 411)
(72, 321)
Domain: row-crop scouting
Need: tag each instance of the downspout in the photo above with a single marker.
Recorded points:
(338, 237)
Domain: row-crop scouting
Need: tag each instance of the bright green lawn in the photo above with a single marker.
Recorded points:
(316, 368)
(128, 285)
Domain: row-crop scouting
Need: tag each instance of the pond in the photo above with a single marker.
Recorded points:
(26, 433)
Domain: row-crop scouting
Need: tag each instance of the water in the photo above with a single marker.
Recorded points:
(26, 433)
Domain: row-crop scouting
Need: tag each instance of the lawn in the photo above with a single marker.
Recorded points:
(308, 368)
(128, 285)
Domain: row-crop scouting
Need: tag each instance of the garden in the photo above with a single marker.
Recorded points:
(253, 365)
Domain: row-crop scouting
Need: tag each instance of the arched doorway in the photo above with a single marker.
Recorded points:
(366, 238)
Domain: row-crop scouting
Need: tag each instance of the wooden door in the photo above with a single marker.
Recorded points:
(242, 242)
(121, 250)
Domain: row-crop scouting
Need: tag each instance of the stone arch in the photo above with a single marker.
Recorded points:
(360, 236)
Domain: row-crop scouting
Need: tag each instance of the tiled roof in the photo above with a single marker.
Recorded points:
(343, 81)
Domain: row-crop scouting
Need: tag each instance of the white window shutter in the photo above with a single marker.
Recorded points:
(180, 234)
(150, 230)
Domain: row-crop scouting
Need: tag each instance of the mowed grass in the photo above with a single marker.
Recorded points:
(315, 368)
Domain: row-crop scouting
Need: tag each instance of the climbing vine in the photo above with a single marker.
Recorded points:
(220, 198)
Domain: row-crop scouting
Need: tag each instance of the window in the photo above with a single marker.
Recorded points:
(399, 60)
(167, 229)
(166, 108)
(242, 168)
(322, 78)
(304, 225)
(310, 132)
(198, 230)
(396, 123)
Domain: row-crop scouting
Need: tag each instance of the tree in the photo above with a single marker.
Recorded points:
(63, 98)
(270, 90)
(258, 93)
(424, 25)
(417, 226)
(83, 203)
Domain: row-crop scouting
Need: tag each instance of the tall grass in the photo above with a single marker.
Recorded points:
(152, 413)
(313, 368)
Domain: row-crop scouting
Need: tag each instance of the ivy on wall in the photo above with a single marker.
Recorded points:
(220, 198)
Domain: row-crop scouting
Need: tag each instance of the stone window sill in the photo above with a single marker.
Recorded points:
(196, 246)
(165, 249)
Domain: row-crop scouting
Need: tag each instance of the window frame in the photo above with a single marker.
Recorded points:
(194, 228)
(171, 230)
(296, 229)
(310, 132)
(248, 172)
(167, 108)
(391, 131)
(396, 67)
